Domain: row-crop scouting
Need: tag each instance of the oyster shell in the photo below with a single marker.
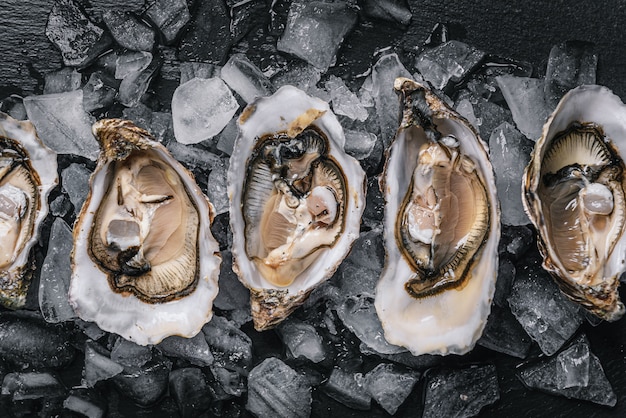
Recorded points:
(296, 201)
(442, 229)
(574, 195)
(28, 172)
(145, 264)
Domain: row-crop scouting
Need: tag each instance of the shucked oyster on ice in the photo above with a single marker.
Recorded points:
(574, 195)
(28, 172)
(296, 201)
(442, 228)
(145, 264)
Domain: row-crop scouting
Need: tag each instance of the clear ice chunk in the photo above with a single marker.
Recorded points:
(169, 16)
(75, 181)
(129, 354)
(359, 144)
(55, 275)
(230, 381)
(315, 31)
(570, 64)
(195, 350)
(466, 109)
(525, 98)
(302, 340)
(97, 93)
(131, 62)
(128, 31)
(201, 108)
(62, 123)
(395, 11)
(301, 75)
(584, 378)
(504, 334)
(448, 62)
(216, 186)
(544, 312)
(135, 83)
(344, 101)
(231, 347)
(86, 402)
(98, 364)
(245, 78)
(31, 385)
(390, 385)
(348, 388)
(62, 81)
(276, 390)
(147, 384)
(510, 153)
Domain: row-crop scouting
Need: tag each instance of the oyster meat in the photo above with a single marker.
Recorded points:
(442, 229)
(296, 201)
(145, 264)
(28, 172)
(574, 195)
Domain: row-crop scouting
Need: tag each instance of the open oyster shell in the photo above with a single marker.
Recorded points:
(442, 228)
(574, 188)
(28, 172)
(296, 201)
(145, 264)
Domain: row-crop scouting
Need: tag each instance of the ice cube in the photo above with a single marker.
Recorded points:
(448, 63)
(75, 181)
(86, 402)
(62, 123)
(315, 31)
(201, 108)
(129, 354)
(570, 64)
(131, 62)
(146, 384)
(136, 83)
(230, 346)
(359, 144)
(128, 31)
(245, 78)
(344, 101)
(276, 390)
(349, 389)
(572, 367)
(97, 92)
(302, 340)
(98, 364)
(300, 74)
(62, 81)
(231, 382)
(55, 275)
(395, 11)
(216, 186)
(390, 385)
(31, 385)
(195, 350)
(504, 334)
(169, 15)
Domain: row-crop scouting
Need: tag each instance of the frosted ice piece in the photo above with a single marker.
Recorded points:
(216, 186)
(448, 62)
(390, 385)
(504, 334)
(55, 276)
(349, 389)
(245, 78)
(359, 144)
(299, 74)
(231, 347)
(129, 354)
(62, 123)
(62, 81)
(510, 153)
(97, 94)
(525, 98)
(98, 364)
(572, 367)
(465, 109)
(147, 384)
(570, 64)
(31, 385)
(128, 31)
(170, 16)
(344, 101)
(276, 390)
(86, 402)
(75, 181)
(136, 83)
(390, 10)
(195, 350)
(302, 340)
(315, 31)
(230, 381)
(193, 155)
(131, 62)
(201, 108)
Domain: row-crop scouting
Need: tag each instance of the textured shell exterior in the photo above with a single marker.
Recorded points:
(450, 321)
(584, 104)
(44, 163)
(143, 323)
(289, 109)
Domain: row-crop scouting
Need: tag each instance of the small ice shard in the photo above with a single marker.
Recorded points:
(86, 402)
(448, 63)
(465, 109)
(229, 381)
(230, 346)
(302, 340)
(195, 350)
(216, 186)
(169, 16)
(144, 385)
(245, 78)
(136, 83)
(62, 123)
(360, 271)
(344, 101)
(26, 386)
(544, 312)
(276, 390)
(390, 385)
(349, 389)
(359, 315)
(98, 364)
(575, 373)
(570, 64)
(315, 31)
(128, 31)
(189, 389)
(55, 275)
(510, 153)
(75, 181)
(208, 37)
(129, 354)
(460, 392)
(226, 138)
(395, 11)
(62, 81)
(525, 98)
(131, 62)
(98, 92)
(201, 108)
(359, 144)
(78, 39)
(189, 70)
(491, 116)
(504, 334)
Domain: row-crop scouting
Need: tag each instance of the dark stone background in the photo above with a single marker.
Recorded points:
(520, 30)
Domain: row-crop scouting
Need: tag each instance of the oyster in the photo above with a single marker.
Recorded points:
(145, 264)
(28, 172)
(574, 195)
(296, 201)
(442, 229)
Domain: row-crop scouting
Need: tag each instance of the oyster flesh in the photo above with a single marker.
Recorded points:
(28, 172)
(145, 264)
(296, 201)
(442, 228)
(574, 195)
